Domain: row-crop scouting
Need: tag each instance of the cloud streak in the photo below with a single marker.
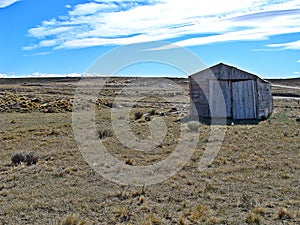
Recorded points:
(290, 45)
(106, 22)
(6, 3)
(40, 75)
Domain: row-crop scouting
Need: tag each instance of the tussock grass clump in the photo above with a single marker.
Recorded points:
(182, 220)
(141, 200)
(105, 133)
(151, 220)
(138, 115)
(198, 212)
(285, 175)
(252, 218)
(283, 214)
(246, 201)
(123, 213)
(152, 112)
(259, 211)
(72, 220)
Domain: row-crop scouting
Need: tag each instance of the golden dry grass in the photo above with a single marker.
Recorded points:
(253, 180)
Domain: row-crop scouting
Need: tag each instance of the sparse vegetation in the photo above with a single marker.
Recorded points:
(283, 214)
(151, 220)
(31, 158)
(17, 158)
(104, 133)
(252, 219)
(138, 115)
(253, 179)
(152, 112)
(123, 213)
(72, 220)
(198, 212)
(182, 220)
(141, 200)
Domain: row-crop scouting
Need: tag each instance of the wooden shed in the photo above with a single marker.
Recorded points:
(226, 91)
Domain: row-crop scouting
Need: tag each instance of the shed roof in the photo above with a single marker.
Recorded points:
(231, 67)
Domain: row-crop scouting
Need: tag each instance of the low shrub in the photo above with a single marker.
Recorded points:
(283, 214)
(17, 158)
(72, 220)
(105, 133)
(152, 112)
(252, 218)
(138, 115)
(31, 158)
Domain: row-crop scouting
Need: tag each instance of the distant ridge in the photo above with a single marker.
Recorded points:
(286, 81)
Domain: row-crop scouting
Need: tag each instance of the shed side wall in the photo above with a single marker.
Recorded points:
(198, 96)
(265, 99)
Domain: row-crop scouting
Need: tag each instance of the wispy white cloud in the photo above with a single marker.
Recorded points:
(297, 73)
(289, 45)
(40, 53)
(43, 43)
(259, 33)
(41, 75)
(47, 30)
(5, 3)
(38, 74)
(107, 22)
(91, 8)
(298, 61)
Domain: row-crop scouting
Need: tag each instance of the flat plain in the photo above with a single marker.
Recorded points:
(254, 179)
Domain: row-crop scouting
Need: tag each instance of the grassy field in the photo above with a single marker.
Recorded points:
(253, 180)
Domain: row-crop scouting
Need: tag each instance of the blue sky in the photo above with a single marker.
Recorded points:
(64, 37)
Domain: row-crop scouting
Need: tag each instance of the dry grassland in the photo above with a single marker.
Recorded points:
(253, 180)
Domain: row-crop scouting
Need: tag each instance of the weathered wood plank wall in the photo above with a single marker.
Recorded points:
(246, 96)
